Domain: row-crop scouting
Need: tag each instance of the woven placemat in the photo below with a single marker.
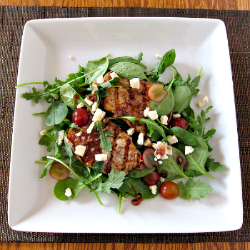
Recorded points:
(12, 20)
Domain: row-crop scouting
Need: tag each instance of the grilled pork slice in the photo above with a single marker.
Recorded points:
(123, 157)
(127, 101)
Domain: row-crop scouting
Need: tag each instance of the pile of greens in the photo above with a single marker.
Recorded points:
(60, 96)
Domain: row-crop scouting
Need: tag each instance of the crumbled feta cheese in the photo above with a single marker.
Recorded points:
(101, 157)
(124, 199)
(164, 157)
(55, 96)
(188, 150)
(43, 131)
(158, 157)
(140, 139)
(158, 56)
(90, 128)
(164, 119)
(162, 150)
(153, 115)
(203, 101)
(145, 112)
(80, 105)
(80, 150)
(70, 57)
(113, 75)
(90, 103)
(172, 139)
(135, 83)
(153, 189)
(130, 131)
(176, 116)
(198, 93)
(60, 137)
(155, 159)
(162, 179)
(148, 143)
(99, 115)
(94, 88)
(100, 80)
(160, 162)
(79, 134)
(169, 150)
(68, 192)
(95, 106)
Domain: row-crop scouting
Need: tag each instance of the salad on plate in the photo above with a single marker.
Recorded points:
(115, 127)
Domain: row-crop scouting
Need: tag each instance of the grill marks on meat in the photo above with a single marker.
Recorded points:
(123, 157)
(127, 101)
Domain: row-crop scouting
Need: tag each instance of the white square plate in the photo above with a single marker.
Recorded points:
(46, 46)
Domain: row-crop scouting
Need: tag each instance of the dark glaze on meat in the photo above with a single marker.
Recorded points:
(123, 157)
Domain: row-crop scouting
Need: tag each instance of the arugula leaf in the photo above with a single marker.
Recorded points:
(139, 57)
(182, 98)
(49, 138)
(98, 166)
(151, 125)
(167, 60)
(202, 121)
(40, 113)
(67, 93)
(171, 167)
(214, 166)
(67, 146)
(194, 189)
(36, 95)
(198, 158)
(47, 93)
(178, 79)
(208, 136)
(156, 135)
(56, 113)
(136, 60)
(110, 83)
(114, 180)
(75, 186)
(165, 106)
(184, 136)
(189, 115)
(194, 84)
(128, 70)
(135, 186)
(136, 173)
(47, 166)
(101, 64)
(86, 174)
(156, 69)
(73, 125)
(105, 141)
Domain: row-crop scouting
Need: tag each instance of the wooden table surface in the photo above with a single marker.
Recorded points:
(188, 4)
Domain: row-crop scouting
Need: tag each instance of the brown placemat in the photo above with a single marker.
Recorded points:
(12, 20)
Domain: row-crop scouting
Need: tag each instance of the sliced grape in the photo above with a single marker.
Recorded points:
(157, 92)
(148, 158)
(58, 171)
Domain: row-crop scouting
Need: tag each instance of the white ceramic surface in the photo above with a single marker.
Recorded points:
(46, 46)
